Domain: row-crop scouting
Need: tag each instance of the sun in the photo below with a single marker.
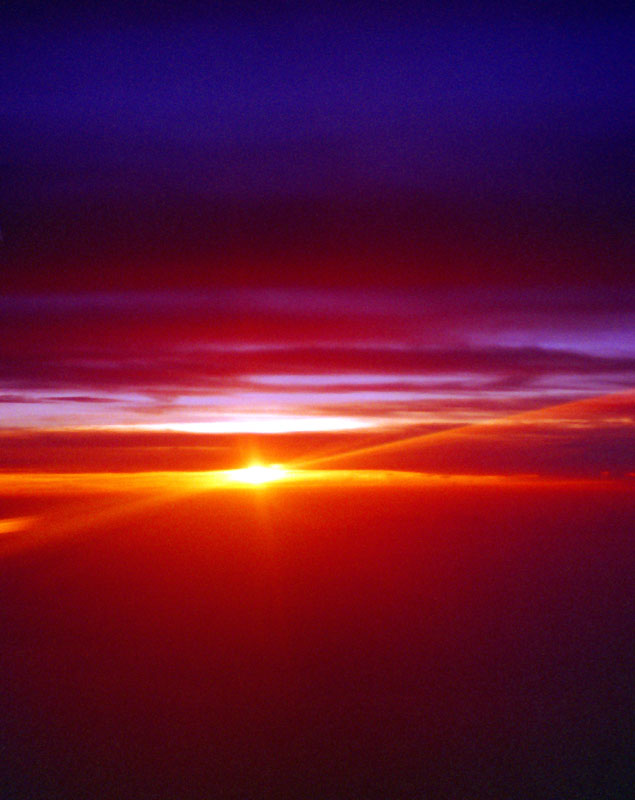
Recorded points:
(257, 474)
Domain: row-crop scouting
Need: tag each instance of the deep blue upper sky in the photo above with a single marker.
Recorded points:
(255, 134)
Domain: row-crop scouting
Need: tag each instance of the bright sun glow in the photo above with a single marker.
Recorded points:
(257, 423)
(257, 474)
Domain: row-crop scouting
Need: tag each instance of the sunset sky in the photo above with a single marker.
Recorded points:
(275, 221)
(317, 400)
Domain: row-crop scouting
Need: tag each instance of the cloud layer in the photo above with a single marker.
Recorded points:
(386, 358)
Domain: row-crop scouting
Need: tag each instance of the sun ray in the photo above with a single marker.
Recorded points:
(449, 433)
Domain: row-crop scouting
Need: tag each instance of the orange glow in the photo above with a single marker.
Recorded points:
(15, 524)
(164, 486)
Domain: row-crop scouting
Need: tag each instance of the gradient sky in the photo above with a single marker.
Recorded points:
(277, 219)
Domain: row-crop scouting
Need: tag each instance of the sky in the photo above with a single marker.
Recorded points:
(280, 219)
(317, 398)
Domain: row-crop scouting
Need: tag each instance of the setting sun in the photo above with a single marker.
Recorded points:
(258, 474)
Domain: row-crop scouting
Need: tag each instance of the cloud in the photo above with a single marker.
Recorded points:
(120, 358)
(173, 370)
(592, 438)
